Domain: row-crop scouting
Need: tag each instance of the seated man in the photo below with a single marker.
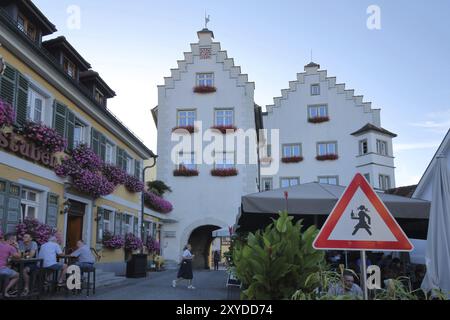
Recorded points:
(84, 255)
(29, 248)
(346, 287)
(8, 249)
(49, 251)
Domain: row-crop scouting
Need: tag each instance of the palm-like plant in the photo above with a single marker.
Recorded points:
(158, 187)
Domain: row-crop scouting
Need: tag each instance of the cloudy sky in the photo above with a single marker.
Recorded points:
(402, 68)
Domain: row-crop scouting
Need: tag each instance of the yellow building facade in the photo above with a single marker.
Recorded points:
(50, 83)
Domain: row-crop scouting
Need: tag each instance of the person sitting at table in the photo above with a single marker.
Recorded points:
(84, 255)
(28, 247)
(49, 252)
(8, 249)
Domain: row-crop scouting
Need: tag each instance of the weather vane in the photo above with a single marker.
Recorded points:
(207, 19)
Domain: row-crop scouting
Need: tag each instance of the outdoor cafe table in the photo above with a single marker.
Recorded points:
(21, 264)
(68, 259)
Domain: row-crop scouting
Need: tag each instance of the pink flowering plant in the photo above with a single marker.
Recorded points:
(39, 232)
(46, 138)
(132, 243)
(133, 184)
(111, 241)
(93, 183)
(114, 174)
(157, 203)
(7, 114)
(153, 246)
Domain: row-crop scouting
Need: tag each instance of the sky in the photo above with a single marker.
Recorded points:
(402, 66)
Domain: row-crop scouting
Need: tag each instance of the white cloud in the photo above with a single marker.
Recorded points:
(438, 122)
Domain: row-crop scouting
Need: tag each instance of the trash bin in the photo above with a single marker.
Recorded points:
(137, 266)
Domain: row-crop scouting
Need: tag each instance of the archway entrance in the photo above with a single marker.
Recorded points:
(200, 240)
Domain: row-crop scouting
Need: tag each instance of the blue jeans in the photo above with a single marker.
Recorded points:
(84, 264)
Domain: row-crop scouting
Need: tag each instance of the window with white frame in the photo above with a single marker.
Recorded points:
(186, 160)
(317, 111)
(79, 133)
(35, 106)
(224, 117)
(109, 153)
(127, 225)
(292, 150)
(315, 89)
(224, 160)
(384, 182)
(363, 147)
(267, 184)
(186, 118)
(30, 204)
(334, 180)
(289, 182)
(205, 79)
(382, 147)
(129, 165)
(326, 148)
(108, 223)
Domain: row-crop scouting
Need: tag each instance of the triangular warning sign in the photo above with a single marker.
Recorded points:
(361, 221)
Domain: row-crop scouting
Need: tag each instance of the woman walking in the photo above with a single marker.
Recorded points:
(185, 272)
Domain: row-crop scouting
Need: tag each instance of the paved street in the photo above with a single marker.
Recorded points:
(210, 285)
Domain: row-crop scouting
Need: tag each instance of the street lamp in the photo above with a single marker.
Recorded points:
(154, 157)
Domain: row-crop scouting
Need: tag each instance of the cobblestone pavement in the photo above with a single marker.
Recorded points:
(210, 285)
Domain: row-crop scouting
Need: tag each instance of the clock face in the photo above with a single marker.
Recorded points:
(205, 53)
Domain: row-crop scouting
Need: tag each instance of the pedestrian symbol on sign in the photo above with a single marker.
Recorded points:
(363, 218)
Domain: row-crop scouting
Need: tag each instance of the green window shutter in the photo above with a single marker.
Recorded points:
(8, 85)
(95, 141)
(13, 207)
(22, 100)
(102, 147)
(117, 223)
(3, 198)
(100, 225)
(70, 128)
(137, 169)
(136, 226)
(51, 217)
(59, 118)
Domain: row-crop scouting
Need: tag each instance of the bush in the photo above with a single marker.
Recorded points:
(39, 231)
(275, 263)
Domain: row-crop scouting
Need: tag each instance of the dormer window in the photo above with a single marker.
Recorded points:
(26, 27)
(99, 97)
(70, 68)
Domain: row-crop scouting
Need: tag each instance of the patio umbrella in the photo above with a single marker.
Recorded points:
(437, 258)
(316, 200)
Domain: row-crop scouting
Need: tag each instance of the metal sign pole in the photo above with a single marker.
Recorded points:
(364, 275)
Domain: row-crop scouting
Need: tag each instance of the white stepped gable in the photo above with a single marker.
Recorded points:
(221, 56)
(340, 89)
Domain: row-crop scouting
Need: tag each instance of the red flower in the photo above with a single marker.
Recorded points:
(327, 157)
(319, 119)
(225, 129)
(204, 89)
(291, 159)
(224, 172)
(190, 129)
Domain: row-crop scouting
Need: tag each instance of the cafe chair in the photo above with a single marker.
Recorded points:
(91, 276)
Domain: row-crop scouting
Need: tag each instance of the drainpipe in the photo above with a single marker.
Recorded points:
(143, 198)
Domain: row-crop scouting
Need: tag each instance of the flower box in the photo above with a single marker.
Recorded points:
(182, 129)
(157, 203)
(204, 89)
(318, 119)
(45, 137)
(327, 157)
(291, 159)
(7, 114)
(224, 129)
(184, 172)
(112, 242)
(224, 172)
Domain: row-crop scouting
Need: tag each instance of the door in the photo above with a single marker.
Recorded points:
(74, 232)
(75, 221)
